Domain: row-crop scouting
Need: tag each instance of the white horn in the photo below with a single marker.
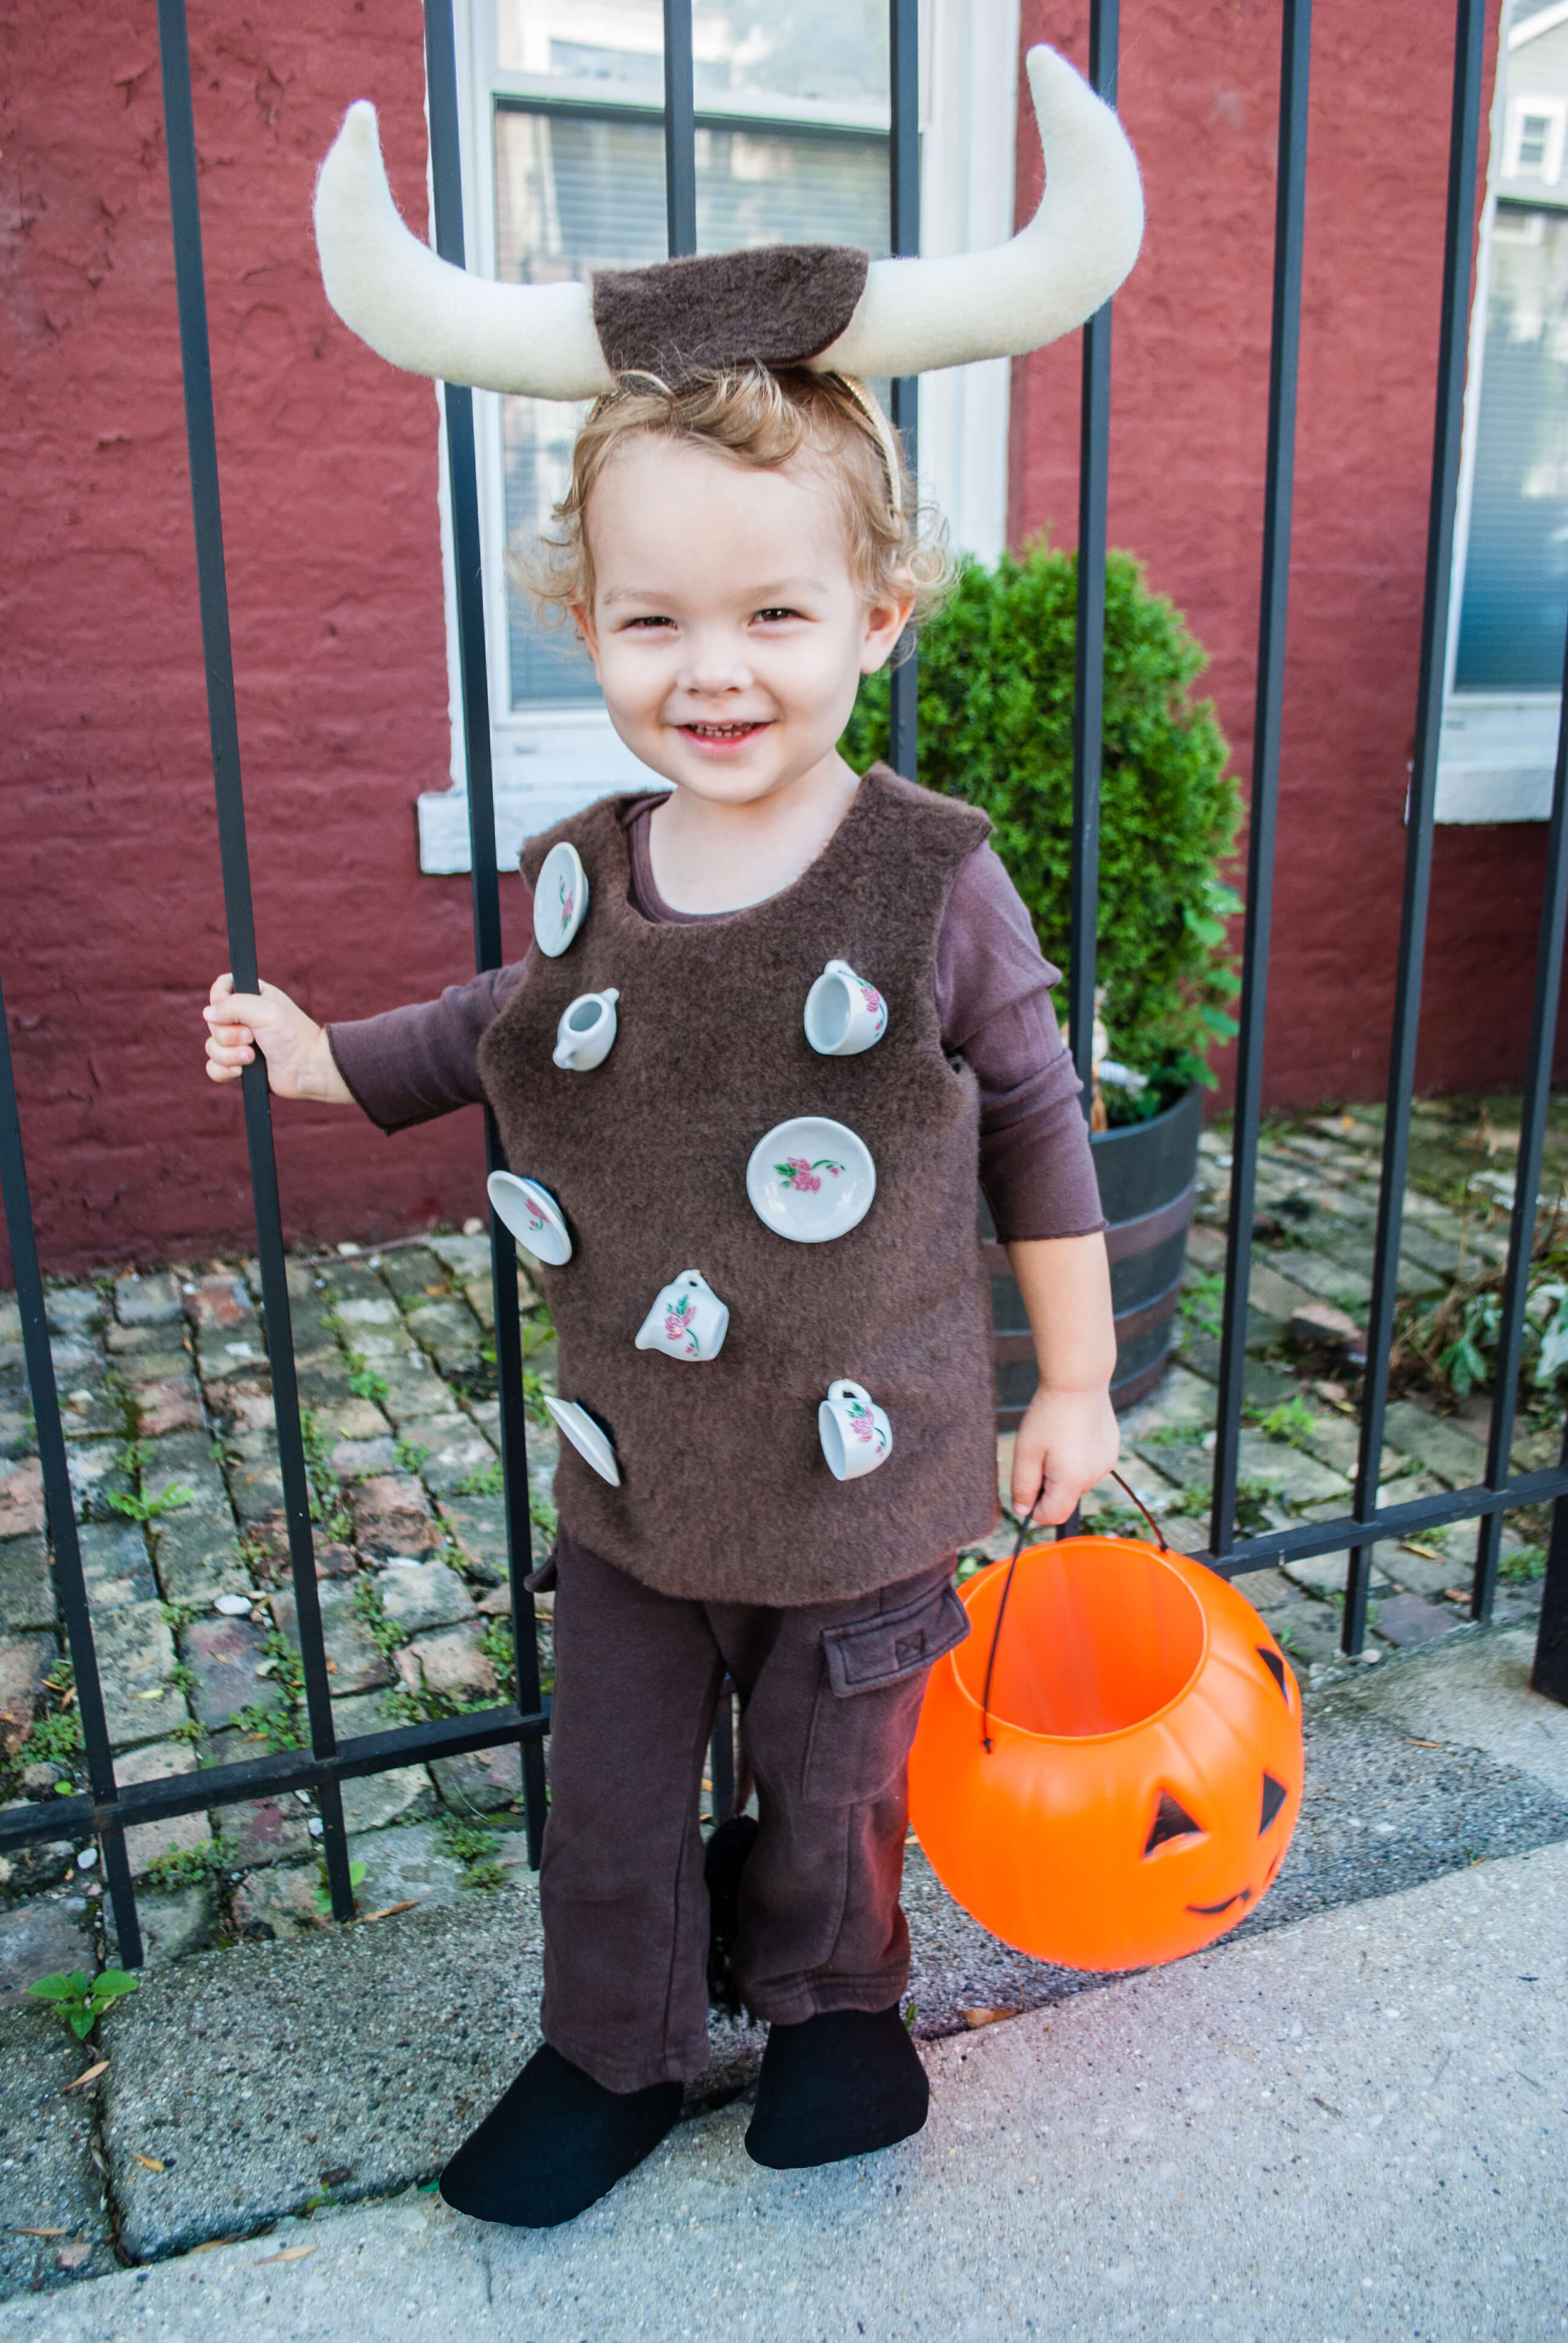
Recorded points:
(420, 313)
(918, 314)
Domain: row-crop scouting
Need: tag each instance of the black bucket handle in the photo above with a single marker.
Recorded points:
(1023, 1530)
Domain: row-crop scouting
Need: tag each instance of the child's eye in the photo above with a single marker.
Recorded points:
(649, 622)
(778, 613)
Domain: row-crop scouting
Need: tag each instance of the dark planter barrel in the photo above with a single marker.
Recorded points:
(1148, 1180)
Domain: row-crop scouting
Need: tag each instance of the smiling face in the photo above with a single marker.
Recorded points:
(728, 631)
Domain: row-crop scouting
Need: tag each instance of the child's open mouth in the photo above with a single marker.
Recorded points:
(717, 737)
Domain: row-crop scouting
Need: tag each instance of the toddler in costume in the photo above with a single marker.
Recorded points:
(737, 549)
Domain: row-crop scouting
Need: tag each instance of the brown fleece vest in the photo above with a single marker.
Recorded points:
(725, 1494)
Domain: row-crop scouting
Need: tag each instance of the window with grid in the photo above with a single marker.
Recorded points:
(1510, 603)
(791, 146)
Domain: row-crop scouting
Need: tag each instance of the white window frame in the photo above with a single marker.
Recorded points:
(1498, 751)
(547, 760)
(1534, 108)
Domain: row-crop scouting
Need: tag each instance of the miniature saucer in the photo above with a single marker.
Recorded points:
(560, 900)
(533, 1216)
(810, 1179)
(589, 1438)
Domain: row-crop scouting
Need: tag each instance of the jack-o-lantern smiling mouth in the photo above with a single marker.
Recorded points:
(1210, 1911)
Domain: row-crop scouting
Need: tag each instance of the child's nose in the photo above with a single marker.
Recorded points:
(713, 665)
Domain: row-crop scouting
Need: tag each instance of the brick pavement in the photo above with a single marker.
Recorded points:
(168, 1410)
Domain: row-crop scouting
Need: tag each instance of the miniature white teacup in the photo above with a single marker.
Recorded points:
(855, 1433)
(688, 1320)
(586, 1031)
(844, 1014)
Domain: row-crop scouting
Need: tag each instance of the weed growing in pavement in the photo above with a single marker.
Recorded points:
(55, 1737)
(495, 1643)
(327, 1505)
(475, 1847)
(80, 1998)
(1523, 1565)
(189, 1866)
(1293, 1420)
(1253, 1499)
(364, 1380)
(410, 1457)
(281, 1723)
(488, 1481)
(323, 1897)
(370, 1608)
(1200, 1302)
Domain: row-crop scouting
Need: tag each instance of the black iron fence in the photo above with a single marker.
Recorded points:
(108, 1809)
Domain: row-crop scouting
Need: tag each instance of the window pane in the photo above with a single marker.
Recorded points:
(1516, 565)
(575, 194)
(823, 51)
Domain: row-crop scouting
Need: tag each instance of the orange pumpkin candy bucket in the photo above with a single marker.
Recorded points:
(1107, 1773)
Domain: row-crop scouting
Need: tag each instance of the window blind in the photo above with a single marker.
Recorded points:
(578, 192)
(1515, 600)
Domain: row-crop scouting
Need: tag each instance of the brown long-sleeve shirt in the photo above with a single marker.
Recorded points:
(993, 996)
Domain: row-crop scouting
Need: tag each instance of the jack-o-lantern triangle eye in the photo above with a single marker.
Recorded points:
(1172, 1820)
(1275, 1796)
(1276, 1668)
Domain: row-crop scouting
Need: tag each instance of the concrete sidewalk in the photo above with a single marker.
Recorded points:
(1355, 2126)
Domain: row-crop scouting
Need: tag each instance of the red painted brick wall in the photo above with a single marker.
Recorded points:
(111, 922)
(1189, 418)
(110, 907)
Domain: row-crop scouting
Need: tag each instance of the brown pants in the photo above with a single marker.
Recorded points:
(830, 1695)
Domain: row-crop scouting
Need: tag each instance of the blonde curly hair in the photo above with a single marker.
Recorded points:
(766, 420)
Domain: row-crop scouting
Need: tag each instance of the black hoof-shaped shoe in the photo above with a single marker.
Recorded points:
(555, 2144)
(843, 2083)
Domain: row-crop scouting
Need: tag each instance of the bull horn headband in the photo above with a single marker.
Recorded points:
(824, 307)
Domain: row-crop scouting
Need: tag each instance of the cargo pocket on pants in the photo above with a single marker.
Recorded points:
(868, 1701)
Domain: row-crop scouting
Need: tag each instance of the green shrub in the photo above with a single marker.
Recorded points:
(996, 688)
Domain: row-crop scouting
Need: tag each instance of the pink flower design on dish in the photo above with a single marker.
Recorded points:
(801, 1176)
(869, 995)
(568, 903)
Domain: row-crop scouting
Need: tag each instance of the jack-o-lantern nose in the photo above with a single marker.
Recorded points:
(1275, 1796)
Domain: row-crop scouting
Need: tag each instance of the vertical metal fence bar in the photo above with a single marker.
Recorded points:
(1549, 1673)
(1468, 37)
(1527, 1178)
(60, 1504)
(679, 129)
(904, 236)
(195, 366)
(1088, 650)
(680, 207)
(1284, 353)
(721, 1756)
(462, 476)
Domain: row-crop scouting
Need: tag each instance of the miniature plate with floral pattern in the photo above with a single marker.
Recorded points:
(810, 1179)
(560, 900)
(533, 1216)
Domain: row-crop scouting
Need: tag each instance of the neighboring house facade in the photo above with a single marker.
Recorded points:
(1511, 561)
(339, 557)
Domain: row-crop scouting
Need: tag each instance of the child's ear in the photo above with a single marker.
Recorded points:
(886, 619)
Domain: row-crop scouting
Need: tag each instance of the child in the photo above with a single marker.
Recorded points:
(736, 550)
